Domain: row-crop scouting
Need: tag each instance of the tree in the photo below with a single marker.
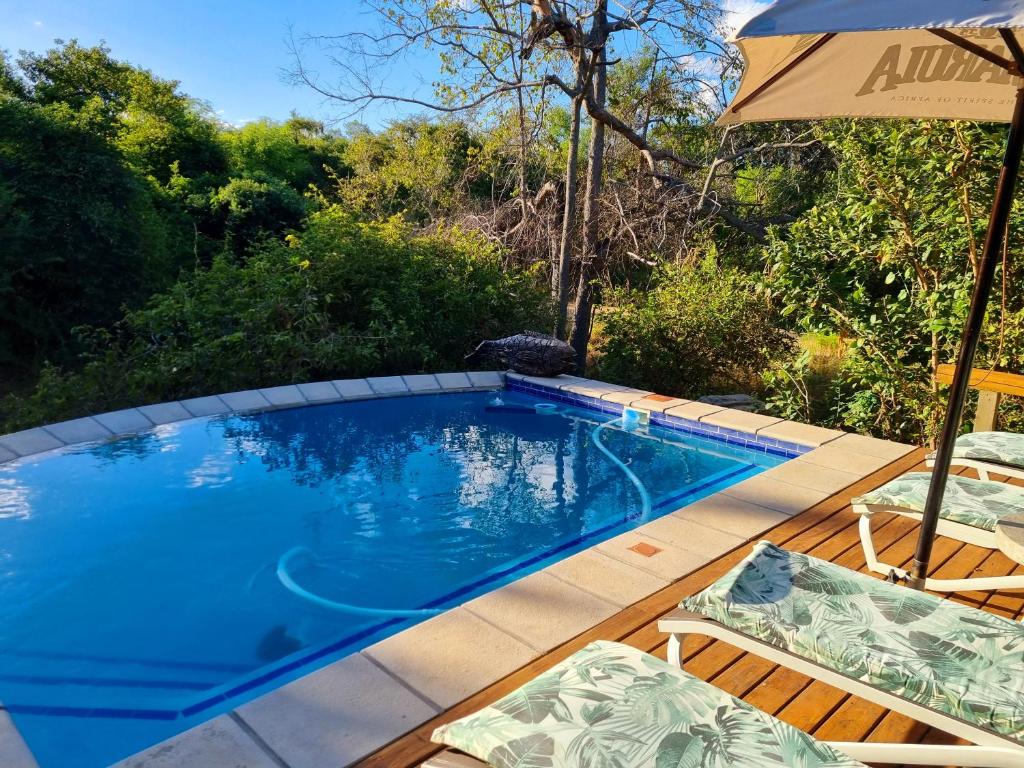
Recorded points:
(146, 118)
(425, 171)
(491, 53)
(253, 209)
(81, 233)
(295, 152)
(11, 83)
(885, 263)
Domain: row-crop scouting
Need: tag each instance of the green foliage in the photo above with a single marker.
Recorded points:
(112, 181)
(801, 388)
(294, 152)
(773, 190)
(81, 233)
(90, 152)
(695, 331)
(252, 209)
(340, 299)
(415, 168)
(887, 265)
(146, 118)
(11, 83)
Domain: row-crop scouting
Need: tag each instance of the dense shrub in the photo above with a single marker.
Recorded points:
(252, 208)
(80, 234)
(696, 331)
(423, 171)
(147, 118)
(295, 152)
(340, 299)
(887, 263)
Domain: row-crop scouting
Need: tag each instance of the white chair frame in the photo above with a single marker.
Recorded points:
(988, 749)
(965, 533)
(983, 468)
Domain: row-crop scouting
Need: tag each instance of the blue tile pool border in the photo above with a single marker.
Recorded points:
(748, 440)
(91, 429)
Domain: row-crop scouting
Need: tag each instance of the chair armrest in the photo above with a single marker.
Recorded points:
(449, 759)
(680, 620)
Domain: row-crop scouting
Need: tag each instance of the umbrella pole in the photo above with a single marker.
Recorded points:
(1001, 205)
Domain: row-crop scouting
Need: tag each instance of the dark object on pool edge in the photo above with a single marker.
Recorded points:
(529, 352)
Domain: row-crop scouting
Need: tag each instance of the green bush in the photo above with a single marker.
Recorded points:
(340, 299)
(887, 263)
(421, 170)
(696, 331)
(295, 152)
(80, 234)
(254, 208)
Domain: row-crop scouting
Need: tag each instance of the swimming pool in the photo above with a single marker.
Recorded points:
(152, 582)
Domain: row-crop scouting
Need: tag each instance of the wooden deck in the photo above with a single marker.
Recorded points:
(828, 531)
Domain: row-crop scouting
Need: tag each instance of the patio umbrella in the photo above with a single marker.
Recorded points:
(947, 59)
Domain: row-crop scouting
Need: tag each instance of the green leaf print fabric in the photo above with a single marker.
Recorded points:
(996, 447)
(978, 503)
(958, 660)
(612, 706)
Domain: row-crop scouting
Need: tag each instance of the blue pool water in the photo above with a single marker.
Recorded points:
(139, 584)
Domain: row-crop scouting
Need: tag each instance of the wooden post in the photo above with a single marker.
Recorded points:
(988, 411)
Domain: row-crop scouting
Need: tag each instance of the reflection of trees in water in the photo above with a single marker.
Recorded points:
(514, 474)
(321, 444)
(131, 446)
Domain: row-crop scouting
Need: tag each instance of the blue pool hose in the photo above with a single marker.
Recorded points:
(645, 497)
(292, 586)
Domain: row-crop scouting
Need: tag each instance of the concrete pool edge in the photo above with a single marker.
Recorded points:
(337, 714)
(14, 752)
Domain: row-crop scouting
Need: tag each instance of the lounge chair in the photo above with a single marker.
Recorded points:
(612, 705)
(956, 668)
(969, 513)
(1001, 453)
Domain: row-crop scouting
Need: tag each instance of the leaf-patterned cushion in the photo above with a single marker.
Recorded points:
(978, 503)
(996, 447)
(612, 706)
(958, 660)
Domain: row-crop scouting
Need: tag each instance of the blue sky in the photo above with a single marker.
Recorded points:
(229, 53)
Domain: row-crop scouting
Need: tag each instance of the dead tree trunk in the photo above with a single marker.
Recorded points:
(524, 208)
(563, 269)
(593, 251)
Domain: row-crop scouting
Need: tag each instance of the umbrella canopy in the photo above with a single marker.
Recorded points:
(809, 59)
(963, 59)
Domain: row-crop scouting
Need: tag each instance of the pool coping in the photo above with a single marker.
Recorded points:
(410, 677)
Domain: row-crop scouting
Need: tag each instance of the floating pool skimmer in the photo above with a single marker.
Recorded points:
(635, 417)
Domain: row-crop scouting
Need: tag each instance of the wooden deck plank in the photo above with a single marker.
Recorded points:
(813, 707)
(828, 531)
(853, 720)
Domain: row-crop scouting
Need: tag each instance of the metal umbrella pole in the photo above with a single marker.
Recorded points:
(994, 239)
